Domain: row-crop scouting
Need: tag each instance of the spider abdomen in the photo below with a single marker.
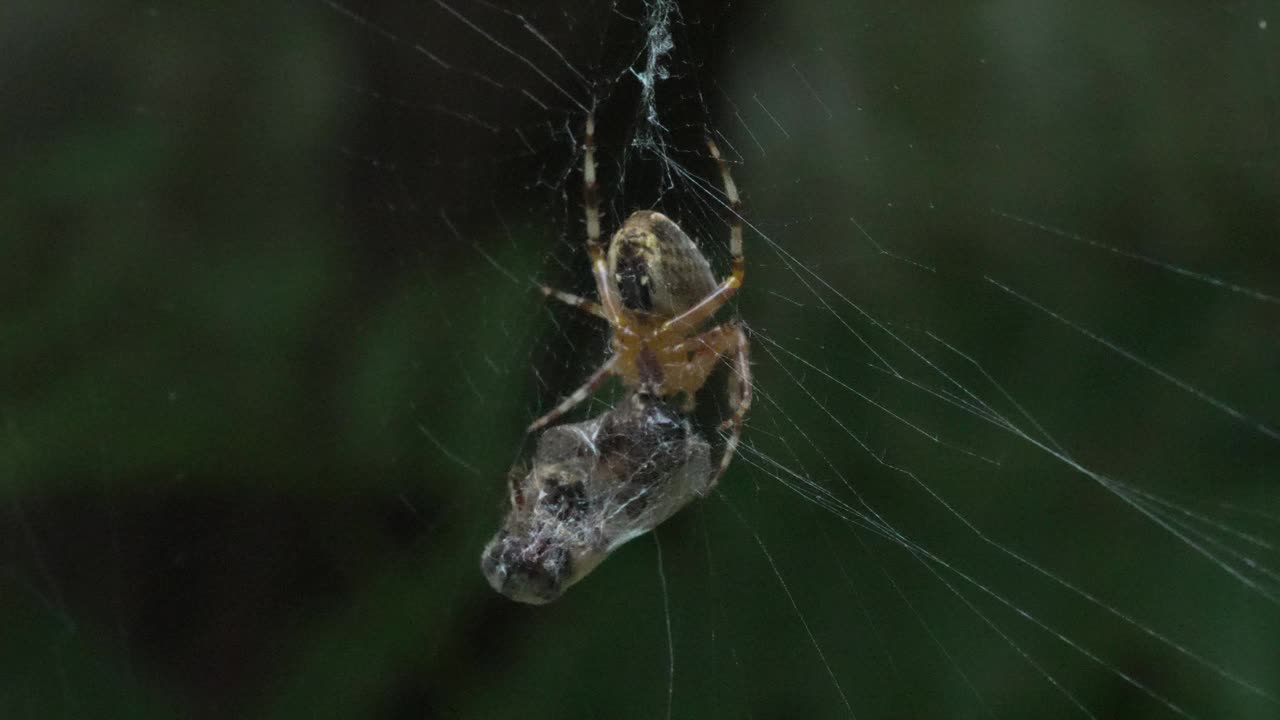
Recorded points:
(656, 267)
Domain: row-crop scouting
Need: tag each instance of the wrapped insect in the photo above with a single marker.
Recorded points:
(593, 486)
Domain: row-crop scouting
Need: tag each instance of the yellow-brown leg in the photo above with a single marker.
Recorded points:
(609, 301)
(706, 307)
(739, 401)
(699, 356)
(577, 301)
(577, 396)
(706, 350)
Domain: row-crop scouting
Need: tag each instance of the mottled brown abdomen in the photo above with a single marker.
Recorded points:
(656, 267)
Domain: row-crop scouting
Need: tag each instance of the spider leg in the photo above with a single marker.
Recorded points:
(740, 389)
(583, 304)
(701, 353)
(705, 351)
(609, 299)
(740, 399)
(707, 306)
(591, 385)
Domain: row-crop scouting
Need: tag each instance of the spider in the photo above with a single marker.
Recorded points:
(656, 291)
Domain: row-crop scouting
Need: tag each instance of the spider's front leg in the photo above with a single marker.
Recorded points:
(592, 384)
(739, 400)
(704, 351)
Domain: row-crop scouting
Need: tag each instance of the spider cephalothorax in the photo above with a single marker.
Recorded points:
(657, 293)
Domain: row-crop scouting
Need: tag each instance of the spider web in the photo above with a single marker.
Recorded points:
(1012, 297)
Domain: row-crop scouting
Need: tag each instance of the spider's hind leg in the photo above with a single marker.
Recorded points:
(701, 311)
(610, 304)
(577, 301)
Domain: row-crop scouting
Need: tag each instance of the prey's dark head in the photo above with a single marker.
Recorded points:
(527, 569)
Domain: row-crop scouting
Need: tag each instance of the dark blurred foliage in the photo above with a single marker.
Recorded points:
(267, 348)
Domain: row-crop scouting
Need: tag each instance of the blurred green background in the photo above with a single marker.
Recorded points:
(267, 347)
